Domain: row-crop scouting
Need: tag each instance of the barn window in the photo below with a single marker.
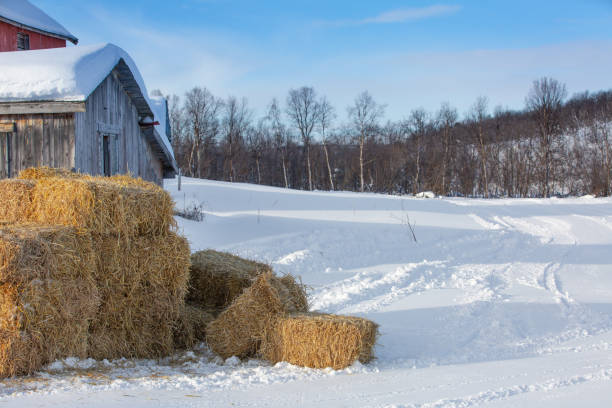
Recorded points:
(23, 41)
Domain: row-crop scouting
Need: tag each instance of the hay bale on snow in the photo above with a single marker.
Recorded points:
(142, 282)
(48, 296)
(191, 326)
(320, 340)
(217, 278)
(239, 329)
(100, 205)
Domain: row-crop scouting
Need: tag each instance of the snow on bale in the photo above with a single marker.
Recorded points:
(217, 278)
(48, 296)
(142, 282)
(191, 326)
(320, 340)
(240, 329)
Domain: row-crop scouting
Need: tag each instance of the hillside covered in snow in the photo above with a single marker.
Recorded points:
(496, 303)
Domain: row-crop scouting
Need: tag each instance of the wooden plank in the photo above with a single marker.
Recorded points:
(4, 155)
(108, 128)
(37, 143)
(7, 127)
(47, 138)
(24, 108)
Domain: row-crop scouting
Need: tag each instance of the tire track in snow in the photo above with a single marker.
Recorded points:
(477, 400)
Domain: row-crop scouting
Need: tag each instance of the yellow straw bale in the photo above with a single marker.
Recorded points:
(239, 329)
(191, 326)
(217, 278)
(36, 173)
(103, 205)
(142, 282)
(15, 199)
(48, 296)
(320, 340)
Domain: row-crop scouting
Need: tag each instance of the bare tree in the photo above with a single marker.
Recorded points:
(256, 141)
(447, 118)
(326, 117)
(236, 119)
(544, 101)
(477, 117)
(364, 115)
(280, 136)
(201, 113)
(417, 127)
(303, 109)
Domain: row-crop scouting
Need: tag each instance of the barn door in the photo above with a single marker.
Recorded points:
(5, 155)
(106, 151)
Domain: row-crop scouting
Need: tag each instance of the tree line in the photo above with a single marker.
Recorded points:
(554, 146)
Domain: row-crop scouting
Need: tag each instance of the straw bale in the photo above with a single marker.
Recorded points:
(125, 180)
(217, 278)
(239, 329)
(142, 282)
(16, 199)
(104, 205)
(191, 326)
(320, 340)
(36, 173)
(48, 296)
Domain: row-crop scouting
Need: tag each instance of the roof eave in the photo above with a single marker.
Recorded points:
(70, 38)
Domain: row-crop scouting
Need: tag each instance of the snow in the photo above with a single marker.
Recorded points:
(499, 303)
(160, 108)
(60, 74)
(27, 14)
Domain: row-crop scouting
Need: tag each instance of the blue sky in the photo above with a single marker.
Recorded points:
(408, 54)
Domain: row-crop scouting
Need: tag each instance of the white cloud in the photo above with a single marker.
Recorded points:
(411, 14)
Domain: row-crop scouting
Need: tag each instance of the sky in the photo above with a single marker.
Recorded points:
(407, 54)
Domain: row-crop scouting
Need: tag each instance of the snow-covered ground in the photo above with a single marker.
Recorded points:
(499, 303)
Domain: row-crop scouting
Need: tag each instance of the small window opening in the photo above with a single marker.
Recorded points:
(23, 42)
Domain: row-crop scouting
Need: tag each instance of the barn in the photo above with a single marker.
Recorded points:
(24, 26)
(84, 108)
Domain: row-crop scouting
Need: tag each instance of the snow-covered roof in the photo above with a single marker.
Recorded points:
(160, 110)
(71, 75)
(60, 74)
(24, 14)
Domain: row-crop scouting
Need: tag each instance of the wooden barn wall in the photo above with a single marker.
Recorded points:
(109, 111)
(39, 140)
(8, 38)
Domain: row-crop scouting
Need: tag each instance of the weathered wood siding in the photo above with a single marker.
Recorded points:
(109, 111)
(39, 139)
(8, 38)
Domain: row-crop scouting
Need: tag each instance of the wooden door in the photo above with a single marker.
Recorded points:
(5, 155)
(106, 154)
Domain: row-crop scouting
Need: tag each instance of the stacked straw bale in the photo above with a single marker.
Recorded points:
(140, 265)
(240, 329)
(48, 296)
(92, 204)
(319, 340)
(268, 316)
(142, 282)
(191, 327)
(217, 278)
